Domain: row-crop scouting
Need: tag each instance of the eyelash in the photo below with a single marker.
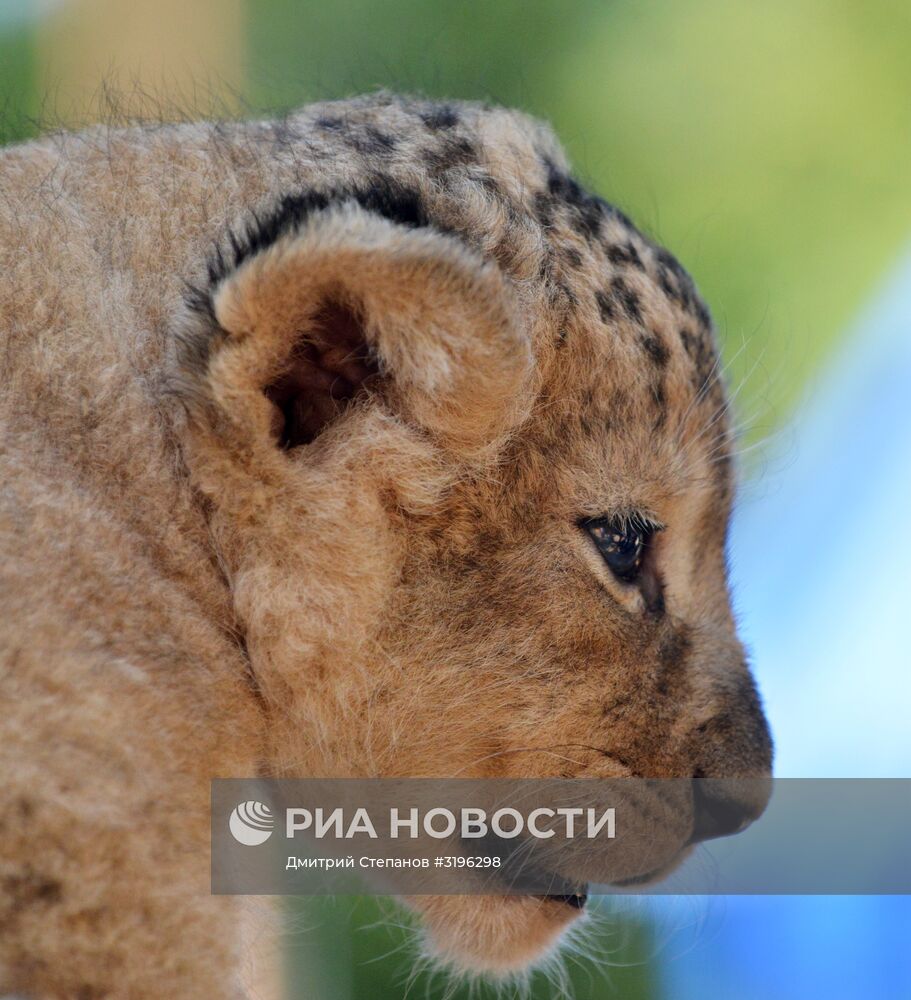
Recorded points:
(622, 541)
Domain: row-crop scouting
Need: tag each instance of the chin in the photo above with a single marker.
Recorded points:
(496, 936)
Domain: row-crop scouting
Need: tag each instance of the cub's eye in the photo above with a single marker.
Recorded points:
(621, 542)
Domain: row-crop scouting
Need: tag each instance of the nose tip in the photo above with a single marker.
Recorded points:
(718, 811)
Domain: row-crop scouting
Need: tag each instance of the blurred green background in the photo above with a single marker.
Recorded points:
(768, 145)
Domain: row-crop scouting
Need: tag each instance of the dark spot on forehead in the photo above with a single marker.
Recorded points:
(678, 286)
(666, 285)
(564, 294)
(701, 350)
(330, 124)
(656, 349)
(442, 116)
(587, 211)
(628, 299)
(671, 265)
(29, 888)
(572, 256)
(451, 152)
(702, 313)
(689, 341)
(371, 140)
(380, 138)
(605, 306)
(544, 208)
(659, 394)
(674, 281)
(624, 255)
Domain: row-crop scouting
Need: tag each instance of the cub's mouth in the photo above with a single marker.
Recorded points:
(522, 874)
(564, 874)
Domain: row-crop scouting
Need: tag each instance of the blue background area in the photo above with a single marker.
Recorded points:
(820, 559)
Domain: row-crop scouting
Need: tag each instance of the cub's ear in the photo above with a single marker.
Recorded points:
(322, 308)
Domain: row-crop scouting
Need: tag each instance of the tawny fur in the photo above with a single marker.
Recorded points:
(409, 593)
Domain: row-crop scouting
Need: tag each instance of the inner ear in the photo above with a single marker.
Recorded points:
(328, 367)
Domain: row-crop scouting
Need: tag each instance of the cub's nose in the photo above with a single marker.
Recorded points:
(725, 806)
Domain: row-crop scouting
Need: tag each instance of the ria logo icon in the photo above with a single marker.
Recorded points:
(251, 823)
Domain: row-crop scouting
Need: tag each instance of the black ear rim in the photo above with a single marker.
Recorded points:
(384, 196)
(418, 379)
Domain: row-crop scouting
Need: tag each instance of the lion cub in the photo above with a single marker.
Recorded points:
(424, 470)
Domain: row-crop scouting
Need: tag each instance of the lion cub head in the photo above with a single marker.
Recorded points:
(466, 449)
